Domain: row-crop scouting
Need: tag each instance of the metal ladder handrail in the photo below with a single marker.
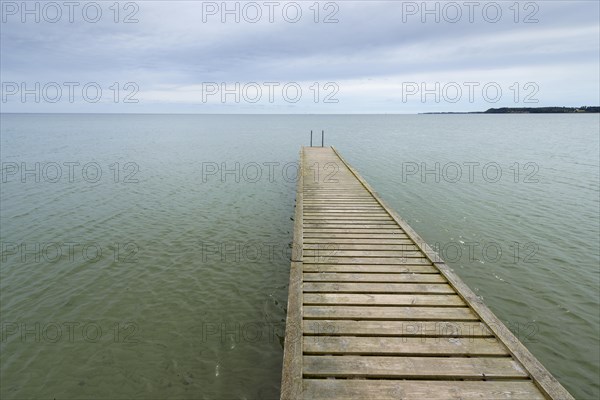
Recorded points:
(322, 138)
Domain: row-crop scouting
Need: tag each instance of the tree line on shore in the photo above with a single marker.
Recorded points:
(543, 110)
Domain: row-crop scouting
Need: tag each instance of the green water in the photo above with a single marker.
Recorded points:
(142, 271)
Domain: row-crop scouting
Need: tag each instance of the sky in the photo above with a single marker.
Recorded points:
(299, 57)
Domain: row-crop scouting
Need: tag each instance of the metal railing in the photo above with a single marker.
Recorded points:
(322, 138)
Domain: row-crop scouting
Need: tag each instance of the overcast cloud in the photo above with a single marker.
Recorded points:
(349, 57)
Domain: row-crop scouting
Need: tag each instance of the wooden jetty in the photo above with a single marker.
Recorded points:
(374, 313)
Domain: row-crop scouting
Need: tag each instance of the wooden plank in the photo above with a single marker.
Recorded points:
(340, 197)
(344, 226)
(413, 367)
(361, 246)
(342, 193)
(291, 376)
(336, 212)
(349, 183)
(371, 205)
(348, 213)
(342, 203)
(363, 231)
(347, 209)
(396, 328)
(354, 212)
(406, 346)
(324, 259)
(344, 184)
(377, 268)
(349, 223)
(371, 257)
(333, 251)
(374, 278)
(366, 241)
(318, 216)
(345, 181)
(345, 389)
(340, 186)
(363, 217)
(332, 196)
(345, 190)
(346, 287)
(383, 299)
(363, 199)
(355, 235)
(363, 196)
(390, 313)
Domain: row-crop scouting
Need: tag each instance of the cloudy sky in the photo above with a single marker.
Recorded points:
(298, 57)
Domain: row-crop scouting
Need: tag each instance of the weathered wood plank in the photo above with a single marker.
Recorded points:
(383, 299)
(334, 251)
(353, 209)
(355, 235)
(377, 268)
(334, 196)
(339, 199)
(361, 246)
(407, 346)
(341, 185)
(373, 278)
(353, 219)
(413, 367)
(291, 376)
(350, 223)
(324, 259)
(359, 287)
(324, 241)
(346, 389)
(341, 194)
(332, 232)
(396, 328)
(390, 313)
(354, 213)
(368, 203)
(345, 199)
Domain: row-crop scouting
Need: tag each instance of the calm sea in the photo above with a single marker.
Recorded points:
(146, 256)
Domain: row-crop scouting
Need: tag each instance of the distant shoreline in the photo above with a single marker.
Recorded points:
(503, 110)
(530, 110)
